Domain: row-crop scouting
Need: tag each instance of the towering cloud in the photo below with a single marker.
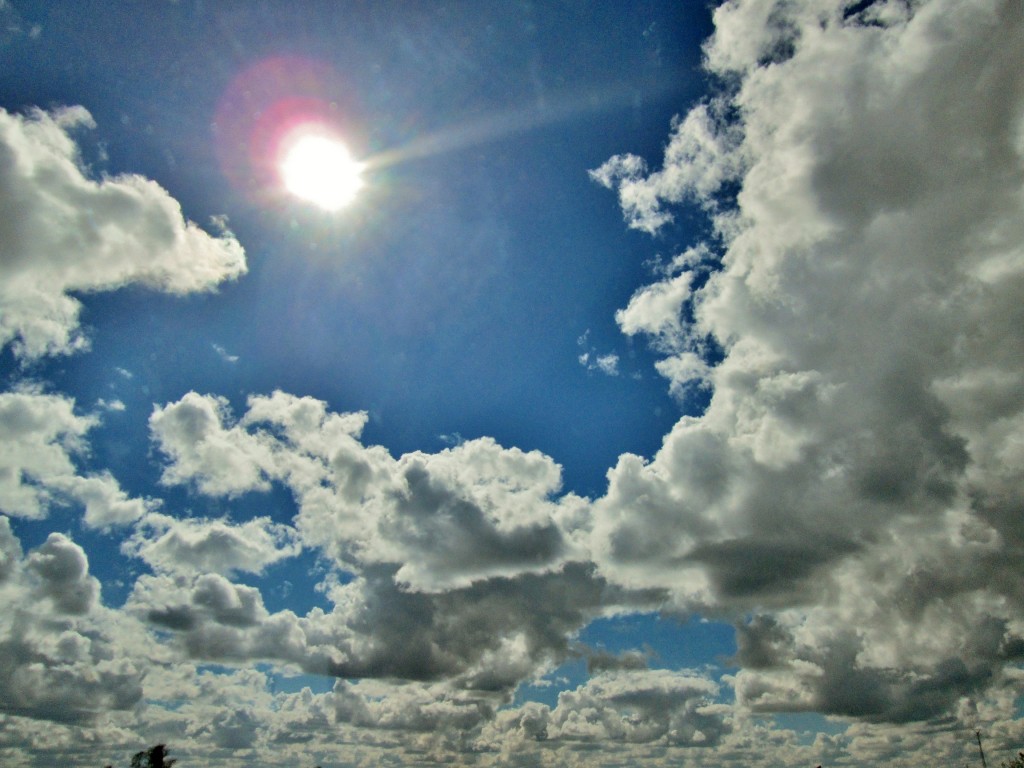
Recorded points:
(857, 470)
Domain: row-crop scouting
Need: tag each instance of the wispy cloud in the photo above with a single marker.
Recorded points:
(606, 363)
(224, 355)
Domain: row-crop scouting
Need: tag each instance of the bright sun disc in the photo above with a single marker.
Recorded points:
(320, 170)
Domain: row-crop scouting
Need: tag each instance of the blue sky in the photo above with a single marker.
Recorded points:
(655, 400)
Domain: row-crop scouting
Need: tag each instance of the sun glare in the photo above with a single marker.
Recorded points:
(319, 169)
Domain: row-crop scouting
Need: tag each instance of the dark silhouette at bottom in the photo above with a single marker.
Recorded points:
(154, 757)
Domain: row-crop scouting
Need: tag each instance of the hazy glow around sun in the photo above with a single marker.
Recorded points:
(320, 170)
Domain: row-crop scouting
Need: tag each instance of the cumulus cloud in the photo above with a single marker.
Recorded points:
(177, 545)
(63, 232)
(863, 431)
(470, 512)
(485, 637)
(850, 498)
(656, 310)
(619, 711)
(217, 460)
(671, 708)
(641, 706)
(702, 155)
(62, 573)
(214, 619)
(39, 437)
(59, 659)
(415, 707)
(453, 553)
(857, 320)
(468, 647)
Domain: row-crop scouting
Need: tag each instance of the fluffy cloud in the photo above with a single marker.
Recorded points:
(863, 431)
(476, 643)
(641, 706)
(471, 512)
(851, 497)
(62, 573)
(620, 710)
(628, 713)
(413, 707)
(213, 546)
(63, 232)
(39, 436)
(217, 460)
(701, 156)
(864, 428)
(59, 659)
(485, 637)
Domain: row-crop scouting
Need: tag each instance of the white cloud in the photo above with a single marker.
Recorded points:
(656, 310)
(592, 360)
(62, 573)
(640, 706)
(224, 355)
(608, 364)
(478, 641)
(412, 707)
(39, 438)
(38, 434)
(64, 232)
(851, 496)
(701, 156)
(214, 619)
(219, 461)
(212, 546)
(864, 429)
(470, 512)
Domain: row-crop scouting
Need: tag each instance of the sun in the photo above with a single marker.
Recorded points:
(318, 168)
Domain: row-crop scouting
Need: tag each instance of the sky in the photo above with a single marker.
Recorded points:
(648, 390)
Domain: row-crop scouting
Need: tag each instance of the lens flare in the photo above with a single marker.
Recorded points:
(283, 129)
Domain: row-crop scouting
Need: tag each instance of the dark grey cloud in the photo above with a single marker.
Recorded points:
(60, 659)
(602, 661)
(486, 637)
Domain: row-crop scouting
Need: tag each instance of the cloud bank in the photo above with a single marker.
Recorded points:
(857, 471)
(850, 499)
